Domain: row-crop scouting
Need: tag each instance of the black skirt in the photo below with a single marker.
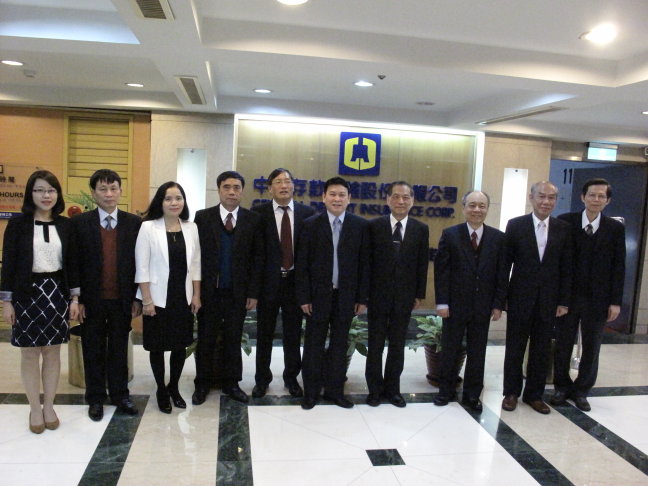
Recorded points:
(42, 318)
(171, 328)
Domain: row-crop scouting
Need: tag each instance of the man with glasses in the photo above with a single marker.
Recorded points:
(106, 240)
(281, 223)
(398, 267)
(597, 291)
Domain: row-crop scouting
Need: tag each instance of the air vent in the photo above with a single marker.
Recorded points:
(154, 9)
(522, 114)
(191, 89)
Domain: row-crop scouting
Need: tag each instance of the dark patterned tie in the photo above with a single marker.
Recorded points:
(286, 240)
(229, 226)
(589, 230)
(108, 221)
(397, 237)
(473, 240)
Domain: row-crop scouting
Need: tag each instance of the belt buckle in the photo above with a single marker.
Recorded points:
(284, 273)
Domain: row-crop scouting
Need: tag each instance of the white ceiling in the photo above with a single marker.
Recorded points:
(474, 59)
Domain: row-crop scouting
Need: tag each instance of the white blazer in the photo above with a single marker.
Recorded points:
(152, 258)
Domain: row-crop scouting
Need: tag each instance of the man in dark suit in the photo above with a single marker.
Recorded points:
(470, 281)
(281, 222)
(597, 291)
(231, 253)
(539, 249)
(399, 260)
(332, 287)
(105, 238)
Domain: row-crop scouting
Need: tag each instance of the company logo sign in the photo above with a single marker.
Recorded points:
(359, 154)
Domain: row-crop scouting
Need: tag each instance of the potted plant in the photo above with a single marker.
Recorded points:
(357, 339)
(431, 329)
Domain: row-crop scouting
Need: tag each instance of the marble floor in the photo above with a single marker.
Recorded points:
(272, 441)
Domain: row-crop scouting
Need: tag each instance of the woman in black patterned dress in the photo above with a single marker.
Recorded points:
(35, 289)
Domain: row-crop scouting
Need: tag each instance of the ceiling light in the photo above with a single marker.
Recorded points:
(9, 62)
(363, 84)
(601, 34)
(134, 85)
(262, 90)
(292, 2)
(644, 112)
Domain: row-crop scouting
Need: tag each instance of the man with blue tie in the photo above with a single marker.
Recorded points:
(332, 287)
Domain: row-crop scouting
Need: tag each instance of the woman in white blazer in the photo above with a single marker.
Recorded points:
(167, 259)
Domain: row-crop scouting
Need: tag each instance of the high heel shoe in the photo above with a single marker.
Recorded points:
(178, 401)
(36, 429)
(54, 424)
(164, 404)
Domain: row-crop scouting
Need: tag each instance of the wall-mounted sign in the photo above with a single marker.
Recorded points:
(359, 154)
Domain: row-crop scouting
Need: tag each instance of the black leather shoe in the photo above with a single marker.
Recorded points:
(308, 402)
(235, 393)
(259, 391)
(163, 400)
(339, 401)
(558, 398)
(199, 396)
(176, 398)
(125, 405)
(373, 399)
(582, 403)
(396, 400)
(474, 404)
(95, 412)
(295, 390)
(443, 400)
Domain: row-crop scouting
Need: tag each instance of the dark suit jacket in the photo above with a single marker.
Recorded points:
(548, 282)
(314, 267)
(247, 253)
(272, 256)
(401, 278)
(470, 287)
(87, 232)
(609, 264)
(18, 256)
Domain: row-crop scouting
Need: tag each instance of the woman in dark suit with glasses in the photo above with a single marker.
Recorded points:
(35, 289)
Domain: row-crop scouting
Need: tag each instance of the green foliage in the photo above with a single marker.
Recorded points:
(431, 328)
(358, 336)
(83, 199)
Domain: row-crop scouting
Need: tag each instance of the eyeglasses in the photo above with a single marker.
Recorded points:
(278, 182)
(41, 192)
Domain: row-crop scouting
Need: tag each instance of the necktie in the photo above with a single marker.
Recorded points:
(45, 225)
(229, 226)
(286, 240)
(108, 221)
(397, 237)
(589, 230)
(473, 240)
(336, 239)
(541, 238)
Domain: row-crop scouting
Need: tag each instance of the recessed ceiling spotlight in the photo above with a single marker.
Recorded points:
(134, 85)
(601, 34)
(262, 90)
(644, 112)
(363, 84)
(292, 2)
(9, 62)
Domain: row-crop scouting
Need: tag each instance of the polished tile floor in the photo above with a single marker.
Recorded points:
(274, 442)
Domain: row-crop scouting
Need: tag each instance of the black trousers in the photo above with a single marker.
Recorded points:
(105, 351)
(224, 316)
(393, 328)
(291, 322)
(536, 330)
(476, 331)
(592, 321)
(325, 366)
